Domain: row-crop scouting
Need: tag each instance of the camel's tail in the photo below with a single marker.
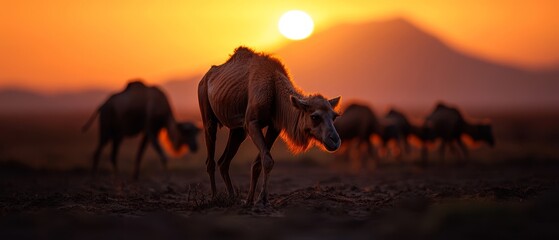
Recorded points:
(90, 121)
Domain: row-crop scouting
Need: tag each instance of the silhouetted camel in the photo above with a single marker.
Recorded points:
(397, 127)
(139, 109)
(252, 91)
(448, 124)
(356, 126)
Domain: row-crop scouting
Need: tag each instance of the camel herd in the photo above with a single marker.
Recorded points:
(358, 124)
(251, 92)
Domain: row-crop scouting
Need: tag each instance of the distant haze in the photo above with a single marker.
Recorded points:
(66, 45)
(385, 63)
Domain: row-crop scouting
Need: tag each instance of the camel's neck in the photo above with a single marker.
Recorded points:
(173, 132)
(471, 130)
(288, 118)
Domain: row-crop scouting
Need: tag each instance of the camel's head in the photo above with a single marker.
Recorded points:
(318, 119)
(189, 135)
(484, 132)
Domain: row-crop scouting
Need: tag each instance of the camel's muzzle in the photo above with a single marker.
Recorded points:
(332, 142)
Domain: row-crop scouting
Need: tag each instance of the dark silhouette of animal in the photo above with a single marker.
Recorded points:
(448, 124)
(397, 127)
(139, 109)
(249, 92)
(356, 126)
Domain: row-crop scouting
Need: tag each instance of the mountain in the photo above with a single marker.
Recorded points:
(396, 63)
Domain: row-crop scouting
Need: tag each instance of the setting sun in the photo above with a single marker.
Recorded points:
(296, 25)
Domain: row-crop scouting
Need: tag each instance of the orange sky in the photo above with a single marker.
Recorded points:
(73, 44)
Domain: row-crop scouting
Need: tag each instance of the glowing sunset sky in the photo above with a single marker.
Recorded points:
(68, 45)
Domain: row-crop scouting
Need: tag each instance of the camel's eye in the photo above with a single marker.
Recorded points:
(315, 118)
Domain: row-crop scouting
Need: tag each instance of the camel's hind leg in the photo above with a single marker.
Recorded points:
(139, 156)
(424, 153)
(236, 137)
(103, 140)
(401, 146)
(442, 149)
(372, 153)
(407, 147)
(454, 150)
(114, 154)
(210, 129)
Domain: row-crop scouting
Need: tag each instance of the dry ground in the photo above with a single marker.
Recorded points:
(46, 191)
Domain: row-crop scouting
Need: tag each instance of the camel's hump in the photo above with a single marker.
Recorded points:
(135, 83)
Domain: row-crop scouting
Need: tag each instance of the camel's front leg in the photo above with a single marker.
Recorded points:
(271, 136)
(255, 132)
(464, 149)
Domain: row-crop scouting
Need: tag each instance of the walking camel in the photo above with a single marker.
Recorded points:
(139, 109)
(448, 124)
(397, 127)
(249, 92)
(355, 127)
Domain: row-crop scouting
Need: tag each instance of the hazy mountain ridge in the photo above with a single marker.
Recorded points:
(22, 100)
(387, 63)
(182, 93)
(395, 63)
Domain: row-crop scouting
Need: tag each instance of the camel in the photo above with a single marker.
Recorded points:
(249, 92)
(139, 109)
(448, 124)
(397, 127)
(356, 126)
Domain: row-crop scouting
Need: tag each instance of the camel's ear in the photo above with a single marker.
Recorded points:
(299, 103)
(335, 101)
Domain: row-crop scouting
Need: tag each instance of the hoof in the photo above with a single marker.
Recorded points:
(247, 204)
(262, 201)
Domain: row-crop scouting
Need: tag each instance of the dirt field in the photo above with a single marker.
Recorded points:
(46, 190)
